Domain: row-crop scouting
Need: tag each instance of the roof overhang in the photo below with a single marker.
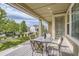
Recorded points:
(42, 10)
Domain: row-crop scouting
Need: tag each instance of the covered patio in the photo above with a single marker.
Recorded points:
(58, 17)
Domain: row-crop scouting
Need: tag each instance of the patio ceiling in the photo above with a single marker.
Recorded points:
(42, 10)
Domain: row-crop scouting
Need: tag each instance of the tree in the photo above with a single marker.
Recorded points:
(2, 19)
(2, 13)
(11, 26)
(7, 25)
(23, 27)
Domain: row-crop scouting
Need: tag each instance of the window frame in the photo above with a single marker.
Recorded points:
(73, 14)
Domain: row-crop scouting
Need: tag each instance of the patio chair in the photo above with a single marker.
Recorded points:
(37, 47)
(55, 46)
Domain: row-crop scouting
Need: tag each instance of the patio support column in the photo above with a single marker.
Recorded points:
(40, 27)
(66, 24)
(53, 26)
(50, 27)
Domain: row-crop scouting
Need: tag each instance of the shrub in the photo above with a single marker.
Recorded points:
(12, 43)
(9, 44)
(4, 46)
(24, 38)
(1, 45)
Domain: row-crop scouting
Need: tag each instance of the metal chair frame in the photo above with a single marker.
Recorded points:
(50, 48)
(37, 47)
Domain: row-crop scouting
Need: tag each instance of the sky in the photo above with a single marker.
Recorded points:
(19, 16)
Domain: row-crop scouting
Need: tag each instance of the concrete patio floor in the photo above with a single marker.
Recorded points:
(26, 50)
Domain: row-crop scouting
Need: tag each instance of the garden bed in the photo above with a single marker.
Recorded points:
(12, 43)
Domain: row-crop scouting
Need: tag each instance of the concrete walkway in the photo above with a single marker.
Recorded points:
(10, 50)
(23, 50)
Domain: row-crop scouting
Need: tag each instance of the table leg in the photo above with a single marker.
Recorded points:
(46, 49)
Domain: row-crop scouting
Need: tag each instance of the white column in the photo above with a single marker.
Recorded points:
(66, 24)
(53, 27)
(50, 27)
(40, 27)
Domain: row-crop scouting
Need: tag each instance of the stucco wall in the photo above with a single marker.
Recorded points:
(73, 45)
(50, 27)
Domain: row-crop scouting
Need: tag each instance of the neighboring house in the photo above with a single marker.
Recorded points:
(36, 27)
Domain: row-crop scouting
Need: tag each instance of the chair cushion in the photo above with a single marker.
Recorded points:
(53, 45)
(59, 41)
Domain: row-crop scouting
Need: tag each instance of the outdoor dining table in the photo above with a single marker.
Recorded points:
(44, 41)
(41, 39)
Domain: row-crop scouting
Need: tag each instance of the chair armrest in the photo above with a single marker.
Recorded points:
(55, 43)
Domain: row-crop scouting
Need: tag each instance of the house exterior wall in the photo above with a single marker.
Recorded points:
(72, 42)
(50, 27)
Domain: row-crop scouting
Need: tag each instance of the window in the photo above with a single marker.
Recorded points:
(68, 26)
(75, 21)
(44, 26)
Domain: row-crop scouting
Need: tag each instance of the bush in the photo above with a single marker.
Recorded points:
(1, 38)
(24, 38)
(1, 45)
(4, 46)
(12, 43)
(9, 44)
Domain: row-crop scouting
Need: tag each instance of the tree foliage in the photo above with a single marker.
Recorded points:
(2, 13)
(8, 25)
(23, 27)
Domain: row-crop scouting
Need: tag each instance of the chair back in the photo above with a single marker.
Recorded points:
(60, 40)
(37, 46)
(32, 44)
(48, 36)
